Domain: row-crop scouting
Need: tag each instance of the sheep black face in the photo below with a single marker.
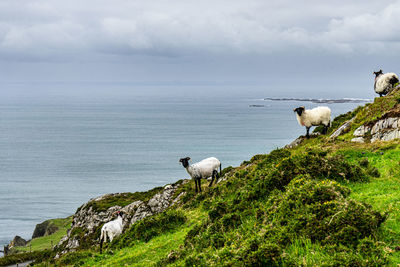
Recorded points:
(377, 73)
(299, 110)
(185, 161)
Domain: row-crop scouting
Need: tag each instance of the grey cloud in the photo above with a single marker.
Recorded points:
(175, 28)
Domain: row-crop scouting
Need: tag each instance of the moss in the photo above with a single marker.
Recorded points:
(150, 227)
(120, 199)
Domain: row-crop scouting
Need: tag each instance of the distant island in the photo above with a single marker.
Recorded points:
(325, 101)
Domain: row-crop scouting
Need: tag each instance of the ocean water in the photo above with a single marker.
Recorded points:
(59, 148)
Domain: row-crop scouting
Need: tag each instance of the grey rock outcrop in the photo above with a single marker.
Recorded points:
(361, 131)
(44, 228)
(89, 219)
(385, 129)
(299, 140)
(18, 242)
(342, 129)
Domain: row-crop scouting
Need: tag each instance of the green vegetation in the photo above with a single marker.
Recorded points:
(45, 242)
(24, 257)
(323, 203)
(121, 199)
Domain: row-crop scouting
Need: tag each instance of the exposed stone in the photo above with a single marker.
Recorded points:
(89, 219)
(295, 143)
(342, 129)
(361, 131)
(18, 242)
(43, 229)
(358, 140)
(385, 129)
(177, 200)
(300, 139)
(73, 243)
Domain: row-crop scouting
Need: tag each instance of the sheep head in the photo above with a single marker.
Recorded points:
(185, 161)
(299, 110)
(377, 73)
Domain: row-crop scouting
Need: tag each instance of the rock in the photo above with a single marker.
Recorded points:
(300, 139)
(295, 143)
(43, 229)
(73, 243)
(358, 140)
(342, 129)
(89, 219)
(361, 131)
(18, 242)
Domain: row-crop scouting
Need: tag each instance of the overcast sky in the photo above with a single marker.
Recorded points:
(259, 42)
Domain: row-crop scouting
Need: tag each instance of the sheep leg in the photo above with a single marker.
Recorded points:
(212, 179)
(325, 130)
(195, 184)
(308, 132)
(199, 181)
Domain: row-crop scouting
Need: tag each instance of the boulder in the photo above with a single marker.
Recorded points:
(358, 140)
(44, 228)
(18, 242)
(342, 129)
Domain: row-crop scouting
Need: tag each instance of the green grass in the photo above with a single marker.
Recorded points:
(139, 253)
(277, 209)
(45, 242)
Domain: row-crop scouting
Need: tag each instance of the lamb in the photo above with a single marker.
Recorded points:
(202, 170)
(313, 117)
(384, 83)
(111, 229)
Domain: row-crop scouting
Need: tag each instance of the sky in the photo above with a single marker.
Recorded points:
(282, 44)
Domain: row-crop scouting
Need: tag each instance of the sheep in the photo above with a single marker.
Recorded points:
(384, 83)
(111, 229)
(313, 117)
(202, 170)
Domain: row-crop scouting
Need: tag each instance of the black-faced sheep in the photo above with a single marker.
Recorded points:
(313, 117)
(202, 170)
(384, 82)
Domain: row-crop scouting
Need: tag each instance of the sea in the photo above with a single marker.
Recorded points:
(61, 145)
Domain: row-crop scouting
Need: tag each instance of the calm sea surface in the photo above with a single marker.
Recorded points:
(59, 149)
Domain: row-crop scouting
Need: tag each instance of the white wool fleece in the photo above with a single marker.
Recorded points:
(382, 82)
(315, 117)
(203, 169)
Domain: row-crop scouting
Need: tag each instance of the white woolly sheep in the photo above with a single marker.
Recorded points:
(111, 229)
(202, 170)
(313, 117)
(384, 83)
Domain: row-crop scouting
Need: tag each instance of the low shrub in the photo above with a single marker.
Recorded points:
(320, 211)
(151, 226)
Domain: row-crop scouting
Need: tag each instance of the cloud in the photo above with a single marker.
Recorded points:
(72, 30)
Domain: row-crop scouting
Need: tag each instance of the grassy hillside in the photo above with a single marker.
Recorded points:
(325, 203)
(45, 242)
